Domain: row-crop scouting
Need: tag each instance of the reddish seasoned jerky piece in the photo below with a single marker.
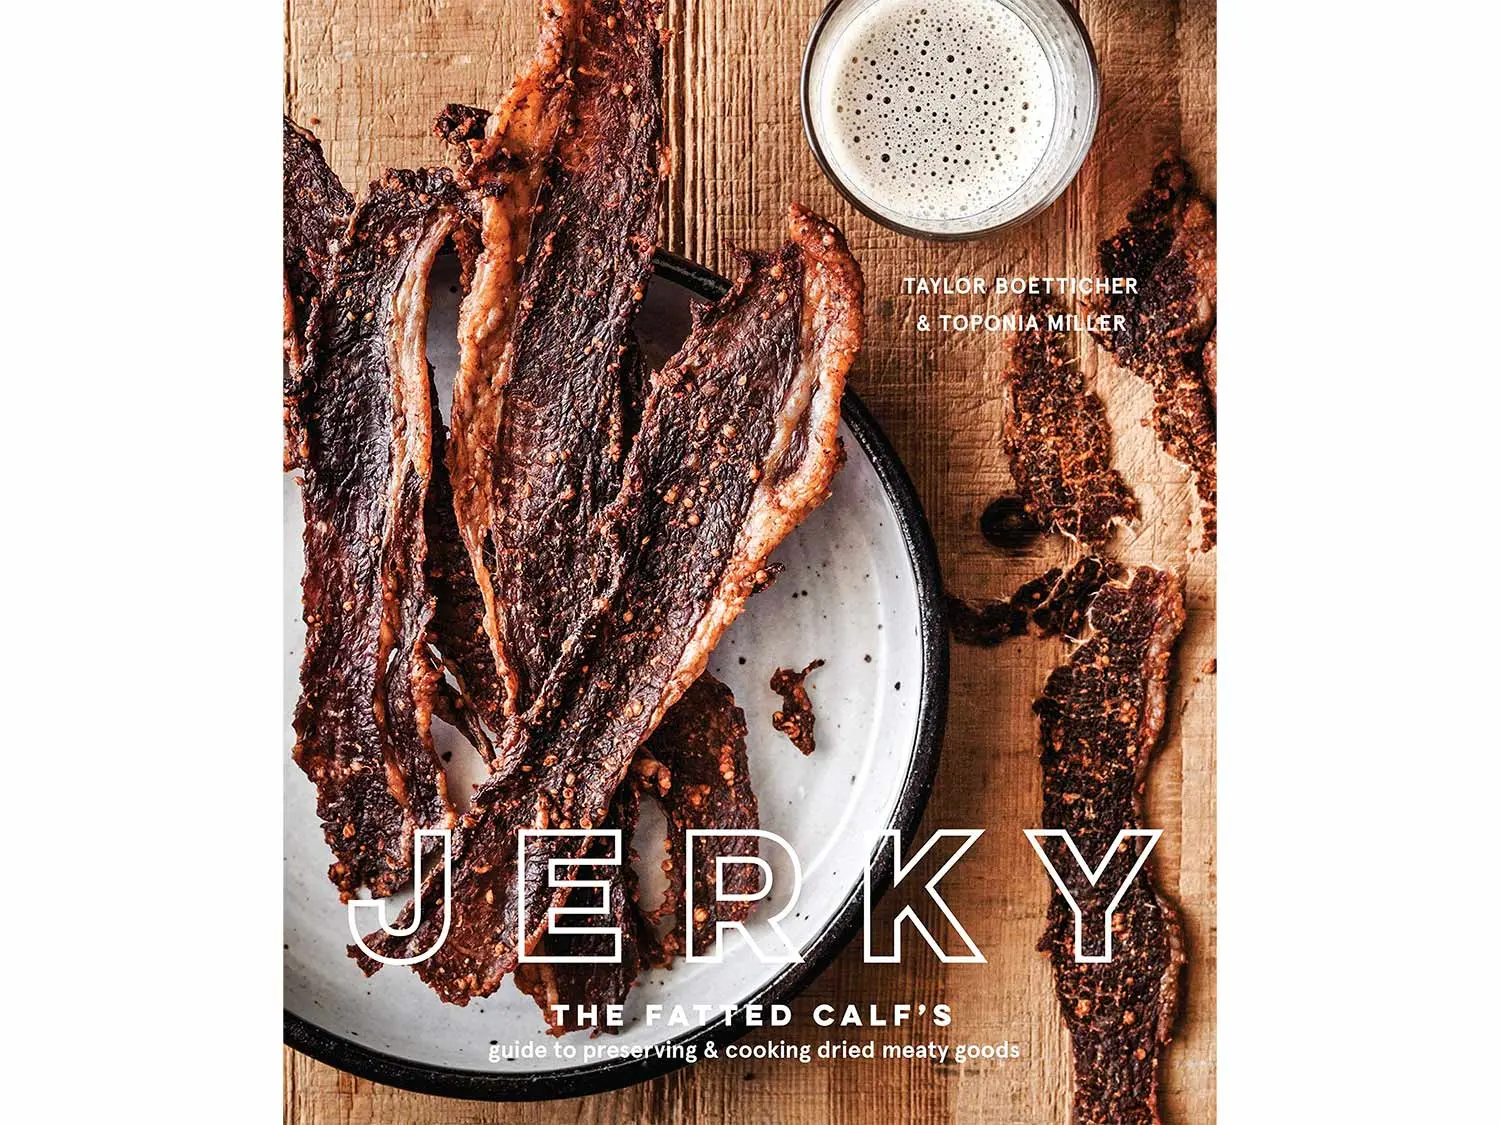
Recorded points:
(539, 437)
(1101, 714)
(1058, 438)
(1169, 247)
(596, 984)
(738, 442)
(501, 157)
(363, 722)
(458, 616)
(1054, 603)
(696, 766)
(315, 209)
(795, 719)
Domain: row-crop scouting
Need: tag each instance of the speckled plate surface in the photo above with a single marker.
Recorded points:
(860, 590)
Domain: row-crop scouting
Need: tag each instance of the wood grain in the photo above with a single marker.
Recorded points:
(368, 76)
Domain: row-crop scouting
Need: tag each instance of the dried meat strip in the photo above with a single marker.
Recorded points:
(579, 986)
(795, 719)
(697, 768)
(738, 442)
(1054, 603)
(540, 405)
(1167, 333)
(314, 214)
(363, 722)
(1101, 715)
(501, 157)
(1057, 436)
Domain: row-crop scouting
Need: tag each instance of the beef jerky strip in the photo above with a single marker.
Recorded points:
(538, 444)
(1169, 247)
(314, 214)
(500, 157)
(1054, 603)
(503, 155)
(795, 719)
(363, 722)
(596, 984)
(738, 442)
(697, 768)
(1101, 714)
(1057, 436)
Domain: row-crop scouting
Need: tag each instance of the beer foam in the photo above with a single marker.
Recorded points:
(937, 109)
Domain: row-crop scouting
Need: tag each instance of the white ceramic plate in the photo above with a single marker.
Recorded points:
(860, 590)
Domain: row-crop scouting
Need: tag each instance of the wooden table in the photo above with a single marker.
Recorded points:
(368, 75)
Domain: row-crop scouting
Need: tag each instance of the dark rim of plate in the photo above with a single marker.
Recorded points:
(932, 711)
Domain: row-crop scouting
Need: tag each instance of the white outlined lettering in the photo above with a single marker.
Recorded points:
(557, 880)
(1037, 835)
(789, 953)
(358, 904)
(891, 838)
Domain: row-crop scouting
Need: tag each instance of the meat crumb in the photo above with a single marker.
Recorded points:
(795, 719)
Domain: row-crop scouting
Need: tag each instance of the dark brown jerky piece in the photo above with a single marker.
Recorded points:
(795, 719)
(555, 461)
(696, 766)
(708, 494)
(1185, 424)
(596, 984)
(315, 211)
(1058, 438)
(1169, 247)
(1052, 604)
(363, 722)
(1101, 714)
